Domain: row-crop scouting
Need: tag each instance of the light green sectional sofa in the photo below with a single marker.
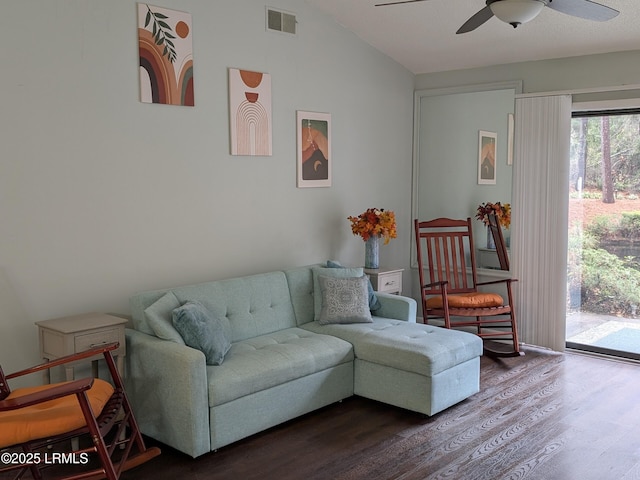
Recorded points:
(282, 363)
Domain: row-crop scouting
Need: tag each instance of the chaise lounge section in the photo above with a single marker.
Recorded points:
(281, 361)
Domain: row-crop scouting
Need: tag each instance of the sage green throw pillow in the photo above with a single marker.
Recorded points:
(204, 331)
(344, 300)
(160, 315)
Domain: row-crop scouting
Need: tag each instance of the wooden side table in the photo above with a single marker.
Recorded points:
(386, 280)
(63, 336)
(488, 258)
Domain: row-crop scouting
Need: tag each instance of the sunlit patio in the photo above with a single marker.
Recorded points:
(603, 333)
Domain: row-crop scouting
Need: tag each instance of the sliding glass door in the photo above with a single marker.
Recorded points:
(603, 273)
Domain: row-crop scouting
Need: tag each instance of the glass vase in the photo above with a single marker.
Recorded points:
(372, 252)
(491, 244)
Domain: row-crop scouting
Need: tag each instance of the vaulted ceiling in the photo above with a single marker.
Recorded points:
(422, 36)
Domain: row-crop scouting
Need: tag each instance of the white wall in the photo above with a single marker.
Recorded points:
(574, 73)
(447, 184)
(102, 195)
(614, 76)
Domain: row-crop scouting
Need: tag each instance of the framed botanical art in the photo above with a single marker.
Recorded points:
(487, 158)
(165, 56)
(314, 149)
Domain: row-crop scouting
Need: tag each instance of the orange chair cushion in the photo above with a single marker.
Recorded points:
(50, 418)
(468, 300)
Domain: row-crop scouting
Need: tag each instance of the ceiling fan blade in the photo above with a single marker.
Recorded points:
(478, 19)
(584, 9)
(397, 3)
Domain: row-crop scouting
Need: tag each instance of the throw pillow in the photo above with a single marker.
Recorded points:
(374, 303)
(202, 330)
(344, 300)
(329, 272)
(159, 318)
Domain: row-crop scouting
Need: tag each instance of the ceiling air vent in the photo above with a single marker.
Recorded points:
(280, 21)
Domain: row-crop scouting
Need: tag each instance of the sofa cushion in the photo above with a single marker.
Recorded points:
(300, 281)
(468, 300)
(329, 272)
(202, 330)
(160, 318)
(254, 305)
(266, 361)
(50, 418)
(374, 303)
(344, 300)
(418, 348)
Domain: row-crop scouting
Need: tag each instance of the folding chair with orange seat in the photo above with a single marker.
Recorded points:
(449, 284)
(36, 423)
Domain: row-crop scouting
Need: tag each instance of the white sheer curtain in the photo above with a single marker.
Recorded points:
(539, 217)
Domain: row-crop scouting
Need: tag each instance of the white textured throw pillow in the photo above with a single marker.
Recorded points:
(159, 318)
(344, 300)
(329, 272)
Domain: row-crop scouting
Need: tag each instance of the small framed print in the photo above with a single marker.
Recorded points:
(487, 158)
(314, 149)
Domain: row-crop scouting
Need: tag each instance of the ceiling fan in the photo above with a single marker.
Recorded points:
(516, 12)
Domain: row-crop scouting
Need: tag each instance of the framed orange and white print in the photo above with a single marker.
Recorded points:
(250, 112)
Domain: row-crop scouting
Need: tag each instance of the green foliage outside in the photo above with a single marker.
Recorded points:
(629, 226)
(605, 283)
(586, 143)
(604, 268)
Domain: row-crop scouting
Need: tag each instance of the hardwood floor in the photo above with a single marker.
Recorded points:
(542, 416)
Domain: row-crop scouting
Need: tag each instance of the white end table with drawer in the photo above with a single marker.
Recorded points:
(488, 258)
(386, 280)
(68, 335)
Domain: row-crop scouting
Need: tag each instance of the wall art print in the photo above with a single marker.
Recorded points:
(487, 158)
(314, 149)
(250, 112)
(166, 56)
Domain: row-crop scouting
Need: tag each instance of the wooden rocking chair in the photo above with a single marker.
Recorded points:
(37, 423)
(449, 285)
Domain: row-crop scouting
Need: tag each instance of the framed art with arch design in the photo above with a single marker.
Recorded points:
(250, 122)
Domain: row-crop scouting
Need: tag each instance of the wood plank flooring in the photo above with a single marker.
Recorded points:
(544, 416)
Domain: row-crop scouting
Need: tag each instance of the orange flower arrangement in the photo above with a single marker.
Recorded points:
(503, 212)
(375, 222)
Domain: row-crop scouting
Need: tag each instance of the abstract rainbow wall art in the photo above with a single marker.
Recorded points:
(250, 112)
(166, 56)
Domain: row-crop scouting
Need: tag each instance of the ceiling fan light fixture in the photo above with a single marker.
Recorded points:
(516, 12)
